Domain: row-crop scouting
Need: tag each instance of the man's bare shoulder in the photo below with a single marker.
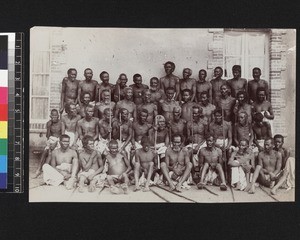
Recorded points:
(219, 151)
(48, 123)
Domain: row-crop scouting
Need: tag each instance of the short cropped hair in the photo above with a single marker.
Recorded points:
(219, 68)
(190, 70)
(145, 140)
(236, 68)
(171, 63)
(86, 139)
(113, 141)
(71, 69)
(279, 136)
(258, 116)
(153, 78)
(203, 70)
(102, 73)
(176, 135)
(244, 140)
(64, 136)
(187, 90)
(170, 88)
(123, 74)
(256, 68)
(87, 69)
(260, 89)
(136, 76)
(53, 110)
(270, 139)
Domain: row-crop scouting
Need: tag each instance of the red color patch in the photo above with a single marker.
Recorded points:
(3, 112)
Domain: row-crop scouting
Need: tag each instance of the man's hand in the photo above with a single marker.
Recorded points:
(90, 178)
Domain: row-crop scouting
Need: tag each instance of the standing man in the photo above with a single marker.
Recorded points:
(207, 107)
(147, 104)
(167, 106)
(137, 88)
(157, 94)
(105, 85)
(256, 83)
(216, 84)
(203, 86)
(237, 83)
(242, 106)
(187, 83)
(88, 85)
(69, 90)
(104, 103)
(119, 93)
(127, 103)
(170, 80)
(226, 103)
(178, 125)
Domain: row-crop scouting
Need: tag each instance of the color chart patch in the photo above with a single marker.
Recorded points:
(3, 110)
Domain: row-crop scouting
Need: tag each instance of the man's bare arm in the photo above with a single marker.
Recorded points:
(75, 164)
(278, 163)
(127, 162)
(62, 96)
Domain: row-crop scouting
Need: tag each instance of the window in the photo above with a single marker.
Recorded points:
(248, 49)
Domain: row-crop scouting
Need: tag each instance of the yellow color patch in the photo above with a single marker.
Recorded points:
(3, 129)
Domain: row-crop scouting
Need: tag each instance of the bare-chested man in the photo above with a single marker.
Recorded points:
(85, 102)
(226, 103)
(127, 103)
(216, 84)
(268, 169)
(187, 83)
(88, 85)
(241, 162)
(177, 165)
(170, 80)
(105, 124)
(118, 93)
(210, 157)
(145, 162)
(166, 106)
(261, 131)
(137, 88)
(118, 169)
(256, 83)
(91, 165)
(147, 104)
(88, 125)
(69, 123)
(187, 105)
(242, 129)
(288, 166)
(203, 86)
(104, 103)
(69, 90)
(207, 107)
(105, 85)
(178, 125)
(141, 127)
(63, 165)
(237, 83)
(157, 94)
(241, 105)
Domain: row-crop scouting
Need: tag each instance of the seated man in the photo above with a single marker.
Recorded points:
(242, 129)
(91, 165)
(88, 86)
(63, 165)
(257, 82)
(118, 167)
(210, 157)
(127, 103)
(241, 162)
(137, 88)
(187, 83)
(157, 94)
(86, 100)
(145, 162)
(166, 106)
(237, 83)
(288, 166)
(147, 104)
(203, 86)
(118, 93)
(104, 103)
(177, 165)
(178, 125)
(105, 85)
(268, 169)
(242, 106)
(207, 107)
(187, 105)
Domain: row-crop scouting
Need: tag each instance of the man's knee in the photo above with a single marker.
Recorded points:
(189, 165)
(163, 165)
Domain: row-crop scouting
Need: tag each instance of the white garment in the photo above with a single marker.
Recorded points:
(238, 176)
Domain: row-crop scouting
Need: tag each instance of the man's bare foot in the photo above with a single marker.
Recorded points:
(252, 189)
(178, 188)
(91, 188)
(273, 191)
(200, 185)
(115, 190)
(238, 186)
(146, 189)
(137, 188)
(248, 187)
(172, 187)
(70, 184)
(223, 187)
(81, 189)
(36, 174)
(125, 188)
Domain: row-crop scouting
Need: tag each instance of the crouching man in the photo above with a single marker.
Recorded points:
(177, 165)
(64, 165)
(211, 159)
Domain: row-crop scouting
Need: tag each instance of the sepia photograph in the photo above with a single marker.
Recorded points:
(183, 115)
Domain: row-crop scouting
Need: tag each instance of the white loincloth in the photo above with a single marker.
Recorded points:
(221, 142)
(72, 137)
(268, 120)
(101, 145)
(238, 176)
(52, 141)
(290, 169)
(86, 174)
(52, 177)
(261, 144)
(161, 149)
(80, 146)
(210, 176)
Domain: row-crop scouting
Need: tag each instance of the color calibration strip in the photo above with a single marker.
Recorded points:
(3, 111)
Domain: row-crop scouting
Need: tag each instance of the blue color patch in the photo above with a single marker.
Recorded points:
(3, 180)
(3, 164)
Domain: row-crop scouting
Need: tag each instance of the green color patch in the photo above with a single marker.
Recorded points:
(3, 146)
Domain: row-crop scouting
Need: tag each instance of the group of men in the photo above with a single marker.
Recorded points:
(178, 132)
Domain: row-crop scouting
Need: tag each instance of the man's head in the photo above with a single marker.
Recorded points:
(72, 74)
(186, 95)
(128, 93)
(210, 141)
(88, 74)
(218, 72)
(202, 75)
(113, 147)
(123, 79)
(145, 142)
(147, 96)
(124, 114)
(154, 83)
(107, 113)
(241, 97)
(258, 117)
(161, 122)
(261, 94)
(54, 116)
(89, 111)
(64, 141)
(170, 93)
(268, 144)
(86, 98)
(71, 109)
(243, 145)
(204, 98)
(186, 73)
(88, 142)
(176, 142)
(169, 67)
(176, 113)
(143, 115)
(218, 116)
(242, 117)
(197, 112)
(104, 76)
(137, 79)
(236, 71)
(225, 90)
(105, 95)
(278, 141)
(256, 73)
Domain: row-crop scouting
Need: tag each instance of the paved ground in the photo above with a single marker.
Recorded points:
(38, 192)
